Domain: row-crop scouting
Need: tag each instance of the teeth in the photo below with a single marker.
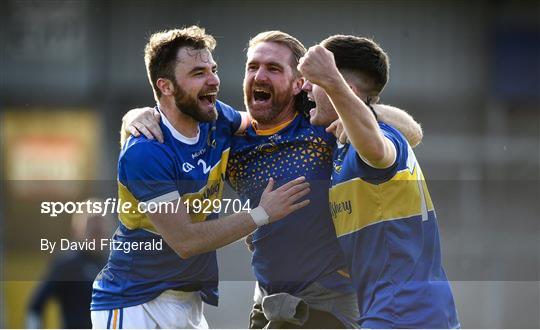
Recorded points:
(261, 90)
(210, 94)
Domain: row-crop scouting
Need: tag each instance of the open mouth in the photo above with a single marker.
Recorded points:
(208, 98)
(311, 103)
(261, 95)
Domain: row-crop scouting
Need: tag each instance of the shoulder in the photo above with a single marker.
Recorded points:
(139, 147)
(229, 117)
(397, 138)
(390, 131)
(379, 175)
(226, 111)
(141, 155)
(317, 131)
(224, 107)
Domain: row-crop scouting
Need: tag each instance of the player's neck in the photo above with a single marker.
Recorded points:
(184, 124)
(285, 116)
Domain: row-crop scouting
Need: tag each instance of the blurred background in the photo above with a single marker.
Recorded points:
(469, 71)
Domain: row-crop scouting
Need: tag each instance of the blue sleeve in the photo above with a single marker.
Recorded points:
(147, 169)
(376, 175)
(228, 116)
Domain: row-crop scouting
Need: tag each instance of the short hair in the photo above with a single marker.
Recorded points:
(361, 56)
(297, 48)
(162, 48)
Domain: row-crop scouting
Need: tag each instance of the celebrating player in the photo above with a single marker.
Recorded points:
(142, 288)
(299, 257)
(381, 208)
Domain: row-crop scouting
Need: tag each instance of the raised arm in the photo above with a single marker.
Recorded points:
(318, 66)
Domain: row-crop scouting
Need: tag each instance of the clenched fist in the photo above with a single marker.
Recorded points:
(318, 66)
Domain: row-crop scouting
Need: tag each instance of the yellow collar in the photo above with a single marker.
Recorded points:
(273, 130)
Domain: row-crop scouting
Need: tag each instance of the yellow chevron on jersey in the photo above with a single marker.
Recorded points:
(355, 203)
(212, 190)
(133, 219)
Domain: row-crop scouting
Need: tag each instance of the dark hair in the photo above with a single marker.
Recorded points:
(162, 48)
(361, 57)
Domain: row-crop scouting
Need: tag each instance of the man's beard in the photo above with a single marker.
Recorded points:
(189, 106)
(277, 106)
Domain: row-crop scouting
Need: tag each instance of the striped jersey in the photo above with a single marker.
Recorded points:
(148, 171)
(386, 224)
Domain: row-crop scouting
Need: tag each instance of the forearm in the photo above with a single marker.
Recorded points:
(402, 121)
(358, 121)
(189, 239)
(212, 235)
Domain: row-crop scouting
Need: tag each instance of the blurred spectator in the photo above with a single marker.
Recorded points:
(71, 273)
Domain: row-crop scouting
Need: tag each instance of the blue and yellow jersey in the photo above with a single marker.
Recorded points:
(191, 168)
(387, 227)
(302, 248)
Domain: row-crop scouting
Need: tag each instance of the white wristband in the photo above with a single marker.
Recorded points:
(259, 216)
